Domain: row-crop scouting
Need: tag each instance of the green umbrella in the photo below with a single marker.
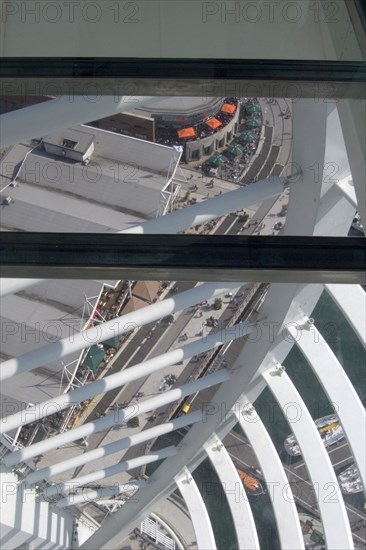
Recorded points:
(253, 122)
(235, 149)
(112, 342)
(253, 108)
(94, 358)
(246, 137)
(217, 159)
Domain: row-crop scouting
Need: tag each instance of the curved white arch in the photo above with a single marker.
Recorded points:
(285, 511)
(334, 518)
(197, 510)
(246, 533)
(351, 299)
(338, 388)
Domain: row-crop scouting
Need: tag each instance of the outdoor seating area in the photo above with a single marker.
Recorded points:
(231, 163)
(168, 135)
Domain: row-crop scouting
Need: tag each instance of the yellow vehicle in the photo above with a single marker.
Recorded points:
(187, 405)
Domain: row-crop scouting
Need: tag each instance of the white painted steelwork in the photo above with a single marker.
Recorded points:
(212, 208)
(94, 495)
(63, 112)
(274, 474)
(74, 483)
(108, 383)
(246, 534)
(111, 448)
(112, 328)
(197, 510)
(310, 150)
(110, 420)
(338, 388)
(351, 299)
(312, 209)
(334, 518)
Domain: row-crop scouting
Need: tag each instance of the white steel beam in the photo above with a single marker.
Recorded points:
(63, 112)
(91, 494)
(213, 208)
(108, 383)
(93, 477)
(197, 510)
(218, 414)
(114, 447)
(351, 299)
(115, 418)
(338, 388)
(246, 533)
(334, 516)
(112, 328)
(285, 511)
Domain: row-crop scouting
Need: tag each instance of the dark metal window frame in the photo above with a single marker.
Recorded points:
(183, 77)
(160, 257)
(184, 257)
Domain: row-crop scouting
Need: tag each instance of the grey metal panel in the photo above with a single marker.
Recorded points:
(110, 183)
(28, 325)
(71, 293)
(147, 156)
(22, 216)
(55, 206)
(33, 387)
(19, 310)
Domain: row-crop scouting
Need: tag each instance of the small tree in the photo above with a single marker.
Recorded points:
(133, 422)
(218, 303)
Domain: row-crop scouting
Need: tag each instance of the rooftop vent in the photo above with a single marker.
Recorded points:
(69, 143)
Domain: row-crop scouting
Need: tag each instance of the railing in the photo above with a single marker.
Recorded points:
(150, 527)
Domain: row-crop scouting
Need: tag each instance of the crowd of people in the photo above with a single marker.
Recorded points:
(233, 168)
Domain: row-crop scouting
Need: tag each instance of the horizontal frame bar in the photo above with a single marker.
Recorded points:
(183, 77)
(184, 257)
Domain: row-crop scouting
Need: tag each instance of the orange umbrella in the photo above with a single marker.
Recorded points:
(213, 123)
(186, 132)
(228, 108)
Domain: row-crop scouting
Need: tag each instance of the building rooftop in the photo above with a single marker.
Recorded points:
(119, 188)
(76, 140)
